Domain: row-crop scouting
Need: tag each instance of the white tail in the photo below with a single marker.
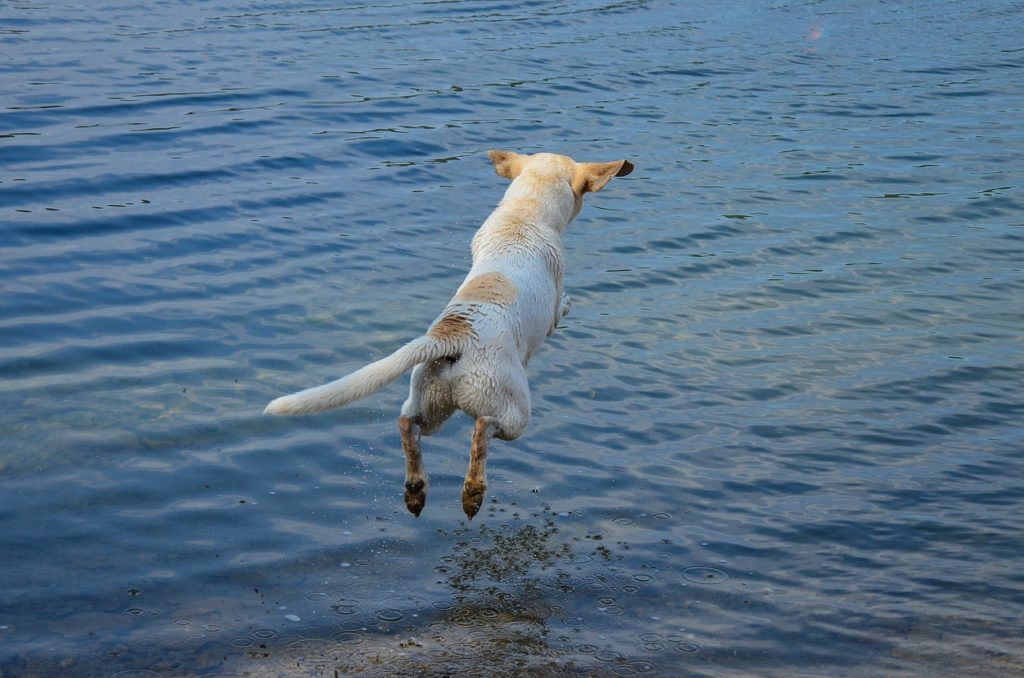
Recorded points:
(362, 382)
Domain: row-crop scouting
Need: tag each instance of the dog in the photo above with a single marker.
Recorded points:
(473, 357)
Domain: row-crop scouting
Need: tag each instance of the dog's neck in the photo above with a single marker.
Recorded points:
(539, 200)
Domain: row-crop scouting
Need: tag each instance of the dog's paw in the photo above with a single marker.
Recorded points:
(566, 305)
(473, 497)
(415, 496)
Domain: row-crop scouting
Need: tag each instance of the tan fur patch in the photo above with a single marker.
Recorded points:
(592, 176)
(490, 288)
(506, 163)
(451, 327)
(502, 233)
(512, 231)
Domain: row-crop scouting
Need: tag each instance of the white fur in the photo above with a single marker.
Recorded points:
(474, 355)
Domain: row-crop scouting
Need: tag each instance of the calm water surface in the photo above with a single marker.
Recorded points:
(779, 434)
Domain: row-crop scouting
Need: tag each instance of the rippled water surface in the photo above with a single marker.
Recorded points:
(779, 433)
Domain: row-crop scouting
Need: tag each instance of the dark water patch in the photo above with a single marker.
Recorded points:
(19, 117)
(55, 192)
(26, 232)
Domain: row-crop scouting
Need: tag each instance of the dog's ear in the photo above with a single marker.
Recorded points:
(506, 163)
(592, 176)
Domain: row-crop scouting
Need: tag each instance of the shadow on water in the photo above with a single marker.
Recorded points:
(507, 586)
(507, 599)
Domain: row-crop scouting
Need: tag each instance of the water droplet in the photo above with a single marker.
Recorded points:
(349, 637)
(389, 616)
(705, 575)
(344, 607)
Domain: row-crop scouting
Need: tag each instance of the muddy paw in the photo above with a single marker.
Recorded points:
(415, 496)
(472, 498)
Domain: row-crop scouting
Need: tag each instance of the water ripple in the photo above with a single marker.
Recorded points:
(779, 429)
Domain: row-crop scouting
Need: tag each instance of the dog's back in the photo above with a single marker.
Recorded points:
(474, 355)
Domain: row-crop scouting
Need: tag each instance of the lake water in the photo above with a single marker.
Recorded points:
(779, 434)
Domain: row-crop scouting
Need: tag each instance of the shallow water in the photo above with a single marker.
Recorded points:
(779, 433)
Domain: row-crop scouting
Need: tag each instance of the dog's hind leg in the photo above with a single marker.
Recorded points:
(508, 414)
(415, 476)
(476, 477)
(428, 406)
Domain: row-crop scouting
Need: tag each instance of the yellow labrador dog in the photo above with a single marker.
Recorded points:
(473, 358)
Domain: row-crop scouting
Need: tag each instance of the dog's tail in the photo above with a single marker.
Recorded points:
(362, 382)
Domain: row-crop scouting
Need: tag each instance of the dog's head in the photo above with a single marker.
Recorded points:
(582, 177)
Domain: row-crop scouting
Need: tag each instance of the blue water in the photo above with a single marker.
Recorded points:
(778, 435)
